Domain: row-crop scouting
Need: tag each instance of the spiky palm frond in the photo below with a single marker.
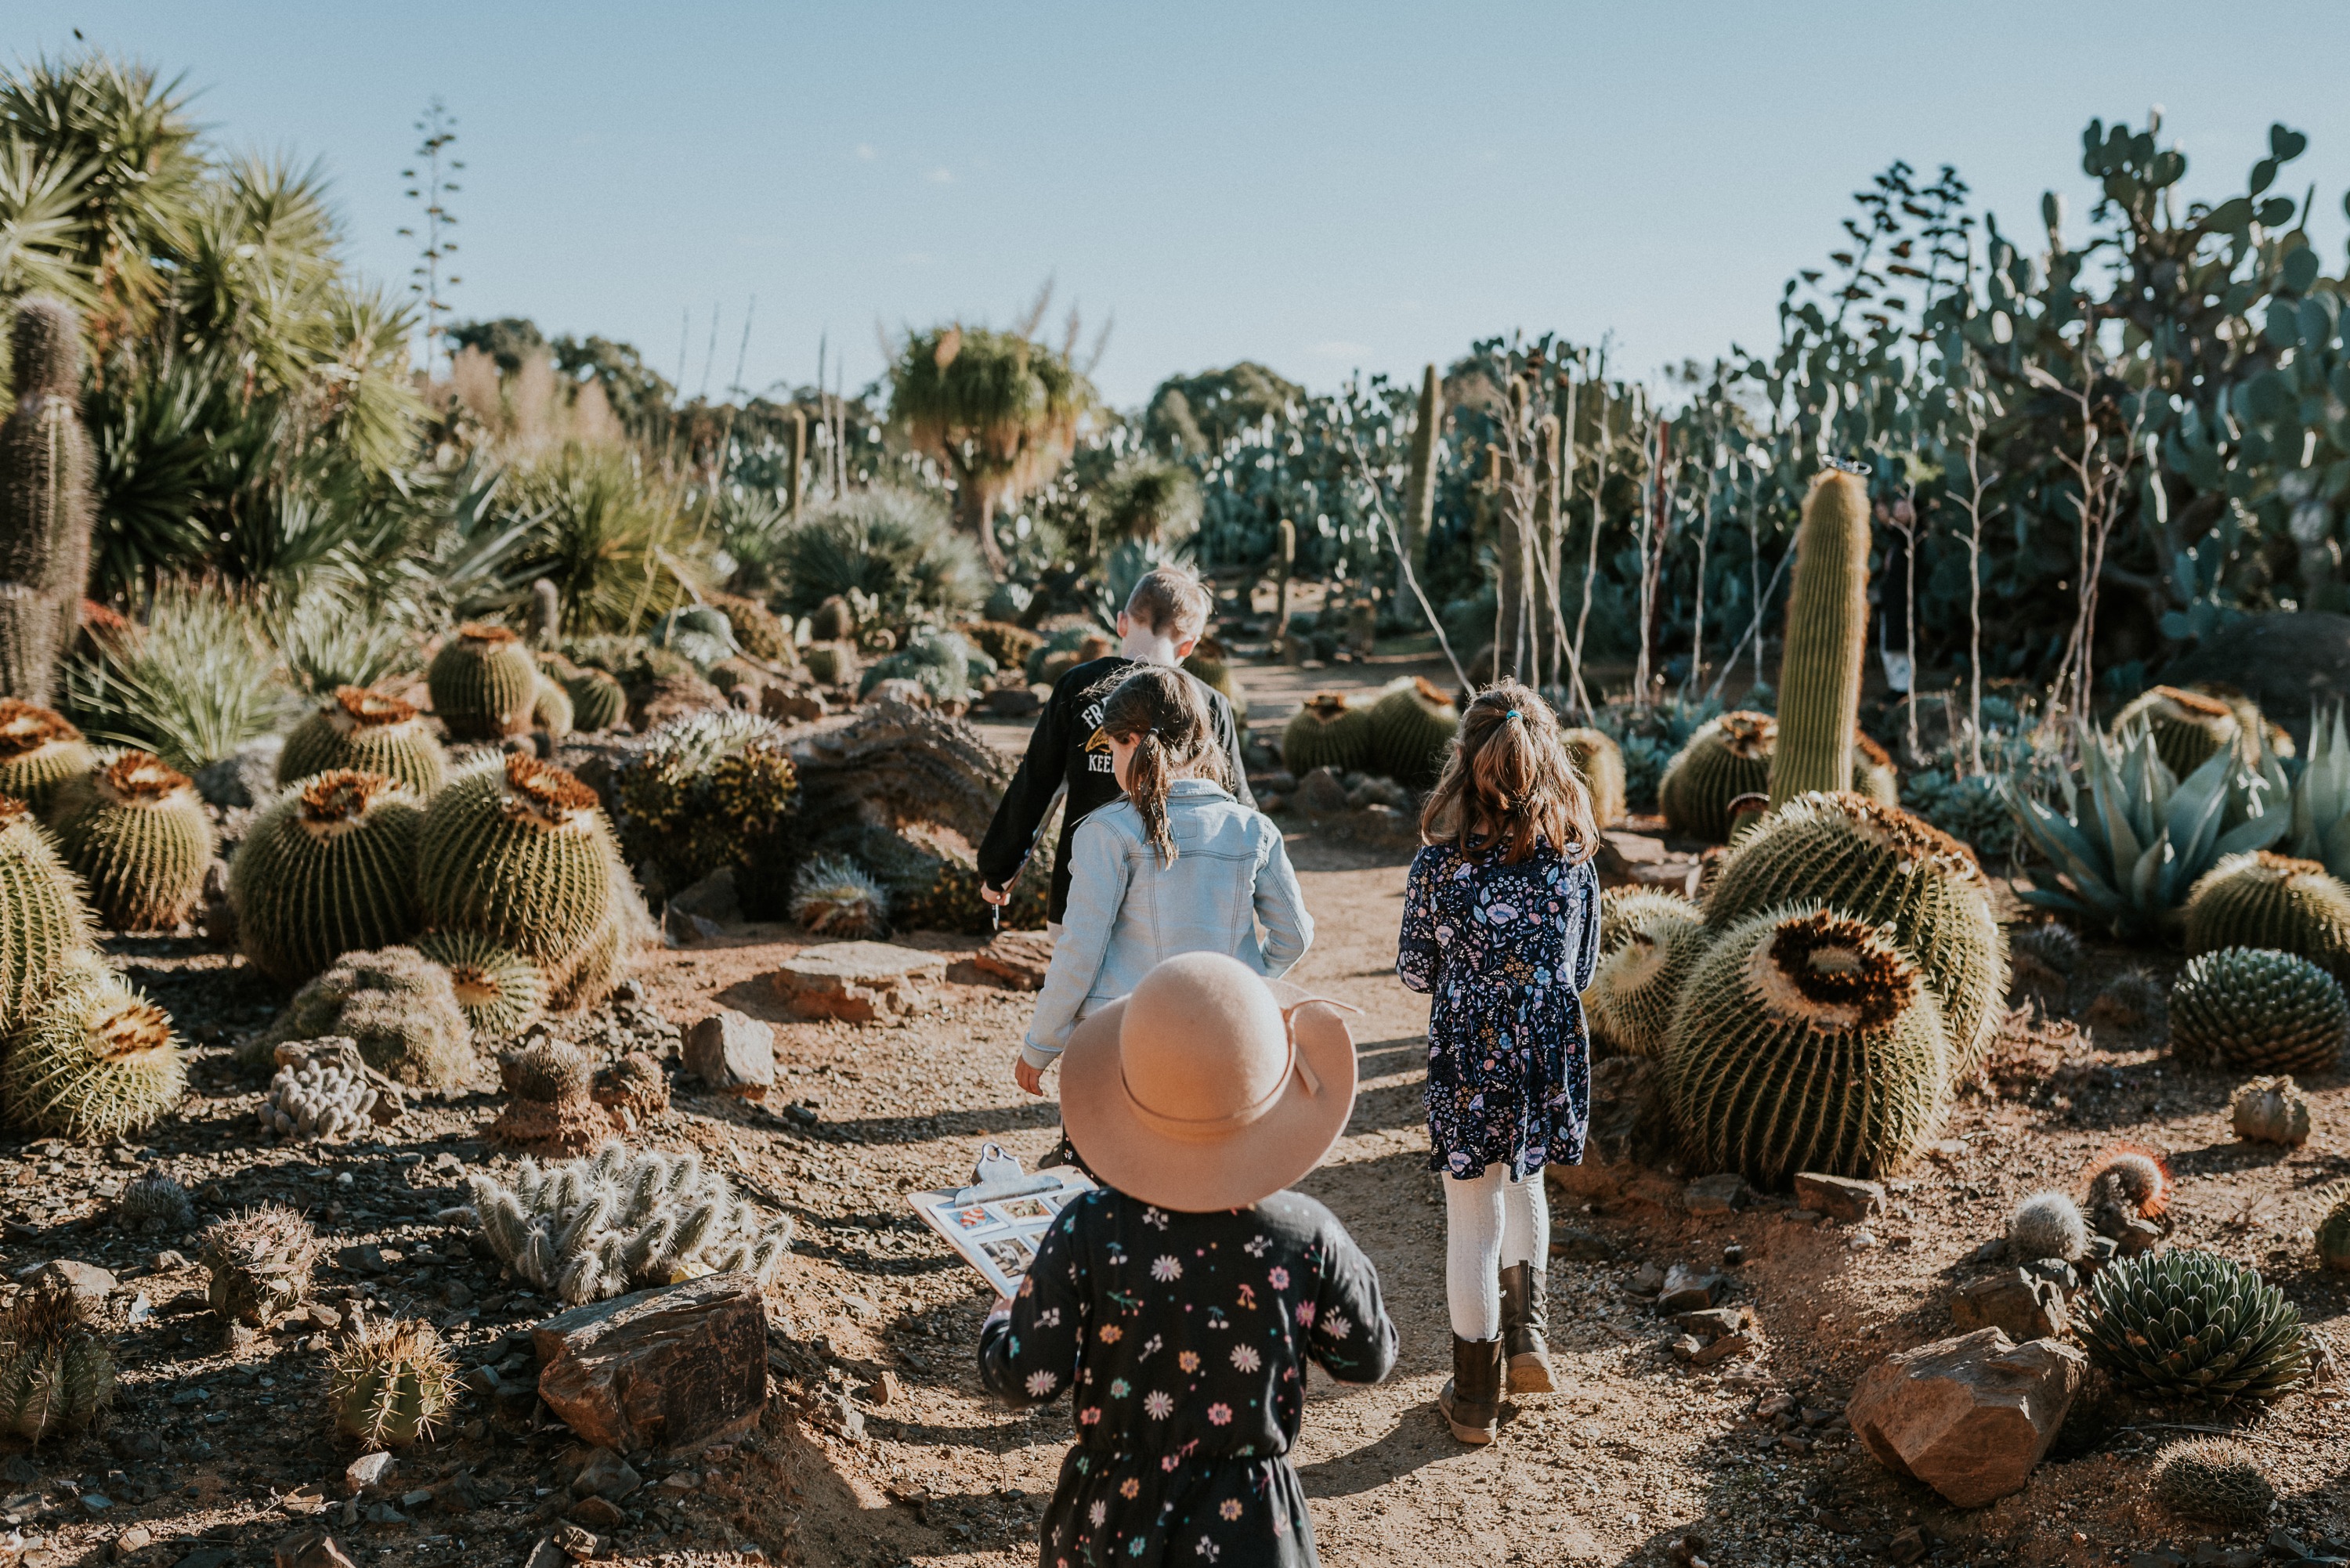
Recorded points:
(605, 532)
(41, 224)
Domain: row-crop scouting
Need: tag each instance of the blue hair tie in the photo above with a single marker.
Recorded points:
(1511, 714)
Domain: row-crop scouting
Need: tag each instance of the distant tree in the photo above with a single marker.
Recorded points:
(1191, 416)
(997, 411)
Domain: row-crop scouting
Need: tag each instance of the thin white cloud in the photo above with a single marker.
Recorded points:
(867, 152)
(941, 175)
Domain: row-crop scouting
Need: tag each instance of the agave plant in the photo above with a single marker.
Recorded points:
(2321, 796)
(2133, 836)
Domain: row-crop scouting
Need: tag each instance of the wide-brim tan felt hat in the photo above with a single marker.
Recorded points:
(1209, 1086)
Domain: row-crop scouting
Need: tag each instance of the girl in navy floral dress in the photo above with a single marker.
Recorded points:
(1500, 927)
(1178, 1307)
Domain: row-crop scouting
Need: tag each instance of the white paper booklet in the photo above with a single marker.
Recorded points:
(994, 1223)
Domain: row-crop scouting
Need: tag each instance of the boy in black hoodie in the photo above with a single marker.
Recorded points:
(1162, 623)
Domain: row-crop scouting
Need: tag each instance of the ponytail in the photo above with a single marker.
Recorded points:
(1160, 709)
(1509, 784)
(1147, 778)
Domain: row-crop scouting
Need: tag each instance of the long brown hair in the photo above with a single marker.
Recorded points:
(1508, 782)
(1159, 709)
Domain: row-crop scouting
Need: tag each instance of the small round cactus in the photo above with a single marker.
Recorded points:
(483, 683)
(2130, 1179)
(551, 709)
(394, 1385)
(1327, 733)
(520, 853)
(57, 1373)
(831, 897)
(2333, 1231)
(2255, 1010)
(1728, 757)
(2271, 1110)
(136, 832)
(369, 731)
(155, 1205)
(598, 701)
(38, 752)
(93, 1062)
(328, 868)
(2047, 1225)
(40, 910)
(2214, 1481)
(548, 1107)
(259, 1262)
(501, 991)
(395, 1004)
(2266, 900)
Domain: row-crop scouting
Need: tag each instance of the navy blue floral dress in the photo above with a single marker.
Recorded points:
(1506, 951)
(1184, 1339)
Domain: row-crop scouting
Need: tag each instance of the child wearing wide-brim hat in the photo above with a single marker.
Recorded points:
(1182, 1302)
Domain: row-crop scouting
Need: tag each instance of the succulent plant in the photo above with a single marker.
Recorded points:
(598, 701)
(41, 913)
(330, 867)
(394, 1384)
(316, 1100)
(548, 1107)
(1007, 642)
(2333, 1231)
(699, 632)
(135, 833)
(155, 1204)
(2215, 1481)
(2264, 900)
(932, 881)
(1329, 732)
(2129, 1177)
(1728, 757)
(1806, 1040)
(758, 629)
(369, 731)
(2044, 953)
(1623, 911)
(2188, 728)
(2047, 1225)
(2250, 1010)
(520, 853)
(1880, 865)
(940, 662)
(631, 1089)
(1408, 731)
(1658, 939)
(1600, 761)
(2188, 1324)
(1210, 670)
(704, 786)
(93, 1061)
(596, 1228)
(259, 1262)
(46, 506)
(1827, 623)
(500, 991)
(56, 1371)
(395, 1004)
(551, 709)
(38, 752)
(483, 683)
(2270, 1110)
(831, 897)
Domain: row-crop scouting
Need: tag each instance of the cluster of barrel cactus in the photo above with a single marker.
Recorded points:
(2260, 900)
(704, 786)
(366, 732)
(485, 683)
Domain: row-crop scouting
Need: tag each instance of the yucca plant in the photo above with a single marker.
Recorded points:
(196, 681)
(2133, 838)
(895, 546)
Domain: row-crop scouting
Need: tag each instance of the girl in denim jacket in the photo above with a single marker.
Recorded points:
(1177, 866)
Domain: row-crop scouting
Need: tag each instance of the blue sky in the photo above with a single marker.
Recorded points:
(1318, 187)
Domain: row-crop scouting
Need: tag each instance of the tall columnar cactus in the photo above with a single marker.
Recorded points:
(1827, 628)
(483, 683)
(258, 1263)
(93, 1061)
(1806, 1040)
(45, 505)
(1419, 485)
(2188, 1324)
(1600, 761)
(370, 732)
(500, 991)
(56, 1371)
(41, 913)
(520, 853)
(598, 701)
(1407, 729)
(1658, 939)
(2264, 900)
(596, 1228)
(1880, 865)
(2188, 727)
(1327, 733)
(38, 752)
(1728, 756)
(394, 1384)
(328, 868)
(396, 1005)
(135, 833)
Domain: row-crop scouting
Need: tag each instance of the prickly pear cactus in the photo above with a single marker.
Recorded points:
(135, 833)
(328, 868)
(1827, 622)
(56, 1371)
(38, 752)
(518, 852)
(394, 1385)
(483, 683)
(93, 1061)
(369, 731)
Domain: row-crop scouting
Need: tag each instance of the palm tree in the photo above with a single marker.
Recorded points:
(997, 410)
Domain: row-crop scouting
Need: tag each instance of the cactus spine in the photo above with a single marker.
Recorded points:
(501, 991)
(136, 832)
(45, 506)
(259, 1264)
(329, 868)
(41, 915)
(1827, 626)
(57, 1374)
(519, 853)
(38, 752)
(393, 1386)
(483, 683)
(369, 731)
(93, 1061)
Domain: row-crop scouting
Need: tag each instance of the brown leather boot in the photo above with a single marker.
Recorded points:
(1471, 1400)
(1525, 1329)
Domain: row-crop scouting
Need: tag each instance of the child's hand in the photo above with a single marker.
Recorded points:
(1031, 1078)
(994, 895)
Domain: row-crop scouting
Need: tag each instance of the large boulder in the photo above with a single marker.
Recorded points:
(1970, 1417)
(2289, 662)
(669, 1368)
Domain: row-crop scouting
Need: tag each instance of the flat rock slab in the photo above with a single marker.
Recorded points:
(670, 1368)
(860, 983)
(1970, 1417)
(1842, 1196)
(1017, 960)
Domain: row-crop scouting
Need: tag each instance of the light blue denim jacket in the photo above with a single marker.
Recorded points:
(1128, 913)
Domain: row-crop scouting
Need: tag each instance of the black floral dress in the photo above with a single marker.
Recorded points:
(1184, 1338)
(1506, 951)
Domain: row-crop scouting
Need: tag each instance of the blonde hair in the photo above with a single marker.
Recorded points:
(1508, 782)
(1171, 602)
(1159, 709)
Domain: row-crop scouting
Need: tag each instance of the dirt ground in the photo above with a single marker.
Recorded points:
(881, 1449)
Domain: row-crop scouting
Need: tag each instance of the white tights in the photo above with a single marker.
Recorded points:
(1491, 1223)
